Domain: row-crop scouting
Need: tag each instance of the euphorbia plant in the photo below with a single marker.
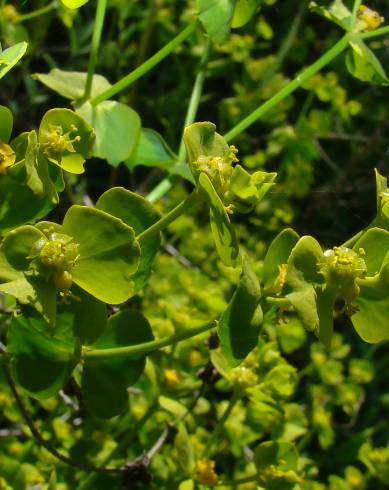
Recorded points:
(68, 279)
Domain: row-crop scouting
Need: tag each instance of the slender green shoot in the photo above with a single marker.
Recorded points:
(146, 66)
(96, 38)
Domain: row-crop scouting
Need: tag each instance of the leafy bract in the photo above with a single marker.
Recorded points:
(222, 230)
(108, 253)
(71, 84)
(151, 150)
(66, 139)
(117, 128)
(363, 64)
(371, 319)
(302, 278)
(240, 324)
(278, 254)
(201, 139)
(243, 11)
(335, 11)
(6, 123)
(74, 4)
(277, 465)
(37, 170)
(10, 56)
(216, 17)
(42, 358)
(105, 381)
(15, 277)
(140, 214)
(375, 243)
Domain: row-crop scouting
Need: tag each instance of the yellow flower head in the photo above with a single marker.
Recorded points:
(172, 377)
(7, 157)
(205, 472)
(370, 18)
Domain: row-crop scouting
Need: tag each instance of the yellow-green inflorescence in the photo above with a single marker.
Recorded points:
(55, 257)
(341, 267)
(7, 157)
(55, 142)
(369, 19)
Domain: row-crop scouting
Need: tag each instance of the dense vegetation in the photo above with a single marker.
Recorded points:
(194, 250)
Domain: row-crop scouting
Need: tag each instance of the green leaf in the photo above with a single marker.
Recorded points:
(117, 128)
(109, 254)
(375, 243)
(240, 324)
(140, 214)
(371, 319)
(71, 84)
(363, 64)
(222, 230)
(201, 139)
(335, 11)
(6, 123)
(104, 382)
(243, 11)
(18, 204)
(278, 254)
(42, 358)
(152, 151)
(281, 380)
(185, 450)
(74, 4)
(89, 315)
(216, 17)
(301, 279)
(9, 57)
(38, 176)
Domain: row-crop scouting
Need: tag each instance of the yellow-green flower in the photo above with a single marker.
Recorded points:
(7, 157)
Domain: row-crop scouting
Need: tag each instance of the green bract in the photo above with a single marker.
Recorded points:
(93, 249)
(66, 139)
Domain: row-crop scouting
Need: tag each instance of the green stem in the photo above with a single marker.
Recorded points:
(97, 30)
(378, 32)
(165, 185)
(147, 347)
(146, 66)
(332, 53)
(239, 481)
(220, 424)
(279, 302)
(36, 13)
(353, 240)
(168, 218)
(357, 4)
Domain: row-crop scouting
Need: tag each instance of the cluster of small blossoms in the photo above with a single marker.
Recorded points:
(369, 19)
(55, 256)
(341, 267)
(218, 169)
(205, 472)
(7, 157)
(55, 142)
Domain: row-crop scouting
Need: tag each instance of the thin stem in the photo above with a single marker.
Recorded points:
(147, 347)
(146, 66)
(239, 481)
(378, 32)
(165, 185)
(220, 424)
(357, 4)
(279, 302)
(353, 240)
(96, 38)
(338, 48)
(36, 13)
(168, 218)
(40, 439)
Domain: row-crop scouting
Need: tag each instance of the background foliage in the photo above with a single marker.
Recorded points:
(324, 141)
